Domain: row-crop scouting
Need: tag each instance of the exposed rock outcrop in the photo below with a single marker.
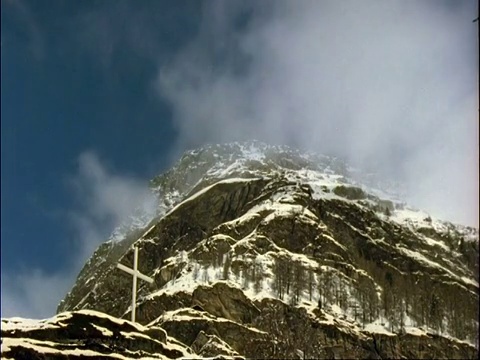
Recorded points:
(86, 334)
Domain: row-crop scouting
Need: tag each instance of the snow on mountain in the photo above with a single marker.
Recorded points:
(264, 251)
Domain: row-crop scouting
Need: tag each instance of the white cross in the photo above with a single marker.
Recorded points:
(135, 274)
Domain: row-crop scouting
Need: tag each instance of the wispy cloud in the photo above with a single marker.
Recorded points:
(33, 293)
(104, 201)
(392, 84)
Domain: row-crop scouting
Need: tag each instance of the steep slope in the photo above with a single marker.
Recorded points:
(265, 252)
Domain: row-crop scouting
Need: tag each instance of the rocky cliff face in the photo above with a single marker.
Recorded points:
(264, 252)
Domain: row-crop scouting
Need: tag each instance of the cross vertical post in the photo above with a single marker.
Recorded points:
(134, 286)
(136, 274)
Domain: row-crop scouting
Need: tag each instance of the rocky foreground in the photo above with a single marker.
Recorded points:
(91, 334)
(86, 334)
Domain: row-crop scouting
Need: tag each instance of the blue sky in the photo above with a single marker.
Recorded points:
(63, 95)
(67, 91)
(99, 96)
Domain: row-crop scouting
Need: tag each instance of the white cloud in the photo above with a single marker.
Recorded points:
(33, 293)
(104, 201)
(384, 83)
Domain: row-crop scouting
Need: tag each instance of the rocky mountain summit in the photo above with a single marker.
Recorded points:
(265, 252)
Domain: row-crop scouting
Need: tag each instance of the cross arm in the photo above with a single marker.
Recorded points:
(139, 274)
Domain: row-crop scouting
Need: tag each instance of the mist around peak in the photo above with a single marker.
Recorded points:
(391, 87)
